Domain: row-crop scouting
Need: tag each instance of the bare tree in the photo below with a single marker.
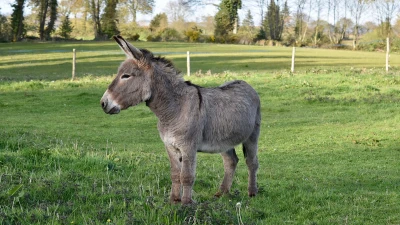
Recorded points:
(318, 7)
(301, 24)
(337, 30)
(139, 6)
(385, 11)
(178, 10)
(261, 5)
(357, 10)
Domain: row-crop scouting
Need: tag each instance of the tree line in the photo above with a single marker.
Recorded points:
(284, 22)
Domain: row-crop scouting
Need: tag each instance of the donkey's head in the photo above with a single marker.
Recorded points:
(132, 83)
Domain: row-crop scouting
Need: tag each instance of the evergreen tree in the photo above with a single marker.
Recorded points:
(109, 19)
(248, 20)
(66, 28)
(223, 23)
(274, 21)
(17, 18)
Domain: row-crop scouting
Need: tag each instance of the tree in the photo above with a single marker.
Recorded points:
(52, 20)
(94, 6)
(233, 6)
(159, 23)
(5, 29)
(261, 6)
(357, 9)
(301, 24)
(274, 21)
(141, 6)
(318, 28)
(66, 27)
(17, 19)
(223, 23)
(247, 30)
(385, 10)
(47, 11)
(109, 19)
(177, 10)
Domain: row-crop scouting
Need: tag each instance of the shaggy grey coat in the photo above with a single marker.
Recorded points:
(191, 118)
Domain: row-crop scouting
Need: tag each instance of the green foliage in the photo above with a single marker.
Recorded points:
(66, 28)
(193, 34)
(47, 12)
(274, 20)
(223, 24)
(247, 32)
(53, 4)
(108, 19)
(17, 20)
(170, 34)
(159, 23)
(5, 29)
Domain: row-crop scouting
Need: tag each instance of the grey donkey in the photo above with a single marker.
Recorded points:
(191, 118)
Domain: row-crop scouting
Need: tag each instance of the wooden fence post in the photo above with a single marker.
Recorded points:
(73, 64)
(387, 54)
(188, 63)
(293, 56)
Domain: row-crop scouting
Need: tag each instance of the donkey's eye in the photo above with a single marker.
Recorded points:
(125, 76)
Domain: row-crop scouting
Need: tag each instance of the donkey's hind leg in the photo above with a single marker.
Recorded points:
(250, 148)
(230, 161)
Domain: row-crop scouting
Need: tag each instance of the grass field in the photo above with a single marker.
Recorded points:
(328, 153)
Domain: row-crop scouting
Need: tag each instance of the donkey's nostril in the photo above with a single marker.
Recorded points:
(103, 104)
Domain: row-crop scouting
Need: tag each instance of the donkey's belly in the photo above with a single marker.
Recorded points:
(214, 148)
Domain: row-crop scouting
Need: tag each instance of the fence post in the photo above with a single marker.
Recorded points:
(188, 63)
(387, 54)
(293, 56)
(73, 64)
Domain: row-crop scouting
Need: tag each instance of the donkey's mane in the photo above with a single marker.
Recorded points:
(167, 66)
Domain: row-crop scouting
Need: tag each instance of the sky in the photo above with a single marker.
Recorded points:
(160, 6)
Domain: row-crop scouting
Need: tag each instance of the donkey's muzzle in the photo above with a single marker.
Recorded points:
(109, 105)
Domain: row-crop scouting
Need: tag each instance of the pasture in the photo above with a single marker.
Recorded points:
(328, 150)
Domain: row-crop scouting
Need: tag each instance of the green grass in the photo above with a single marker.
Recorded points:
(328, 153)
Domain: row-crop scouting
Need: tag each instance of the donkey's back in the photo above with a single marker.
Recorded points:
(231, 114)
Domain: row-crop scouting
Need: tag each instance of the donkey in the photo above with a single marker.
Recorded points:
(191, 118)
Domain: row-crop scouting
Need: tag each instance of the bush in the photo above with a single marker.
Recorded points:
(170, 34)
(153, 38)
(133, 37)
(193, 34)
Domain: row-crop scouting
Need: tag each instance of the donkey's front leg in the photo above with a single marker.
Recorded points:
(175, 159)
(188, 172)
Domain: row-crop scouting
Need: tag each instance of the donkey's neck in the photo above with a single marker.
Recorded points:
(166, 93)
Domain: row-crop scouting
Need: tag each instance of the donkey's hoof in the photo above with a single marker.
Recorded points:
(221, 192)
(253, 192)
(188, 201)
(218, 194)
(175, 200)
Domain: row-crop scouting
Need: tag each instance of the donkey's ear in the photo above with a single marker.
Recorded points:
(130, 50)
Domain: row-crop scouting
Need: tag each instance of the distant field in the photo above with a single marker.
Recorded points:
(329, 144)
(52, 61)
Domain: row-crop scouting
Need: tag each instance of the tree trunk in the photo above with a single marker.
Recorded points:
(42, 17)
